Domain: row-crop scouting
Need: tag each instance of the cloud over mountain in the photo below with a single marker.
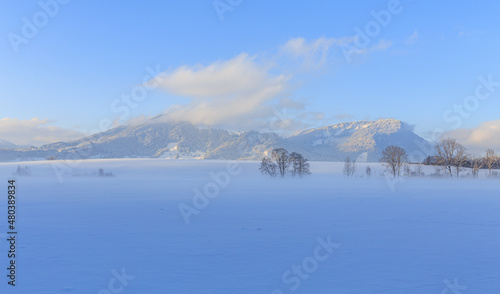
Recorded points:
(246, 92)
(229, 92)
(486, 135)
(34, 131)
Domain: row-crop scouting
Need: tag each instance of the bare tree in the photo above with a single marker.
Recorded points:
(268, 167)
(282, 159)
(451, 154)
(394, 157)
(461, 159)
(349, 167)
(476, 165)
(490, 159)
(300, 166)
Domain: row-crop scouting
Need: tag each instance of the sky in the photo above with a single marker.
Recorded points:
(70, 68)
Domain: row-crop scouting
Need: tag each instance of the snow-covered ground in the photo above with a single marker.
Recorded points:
(246, 233)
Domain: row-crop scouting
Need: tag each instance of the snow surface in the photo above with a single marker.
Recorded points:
(78, 231)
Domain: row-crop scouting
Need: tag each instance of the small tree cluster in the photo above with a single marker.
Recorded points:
(101, 173)
(459, 155)
(23, 171)
(281, 163)
(452, 158)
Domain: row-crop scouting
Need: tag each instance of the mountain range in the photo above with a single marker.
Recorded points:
(361, 140)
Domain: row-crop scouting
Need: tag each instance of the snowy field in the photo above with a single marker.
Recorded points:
(81, 233)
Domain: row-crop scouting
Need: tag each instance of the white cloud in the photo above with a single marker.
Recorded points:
(287, 103)
(221, 78)
(413, 38)
(486, 135)
(34, 131)
(380, 46)
(233, 92)
(315, 54)
(469, 33)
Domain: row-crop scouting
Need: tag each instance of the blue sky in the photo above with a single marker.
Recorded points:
(255, 62)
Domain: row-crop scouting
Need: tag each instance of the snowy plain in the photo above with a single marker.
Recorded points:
(325, 233)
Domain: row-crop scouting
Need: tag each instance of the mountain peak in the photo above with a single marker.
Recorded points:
(356, 138)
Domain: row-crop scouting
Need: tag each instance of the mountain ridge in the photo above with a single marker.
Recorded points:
(7, 145)
(362, 140)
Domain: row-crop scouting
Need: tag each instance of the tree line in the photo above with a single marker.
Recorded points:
(451, 158)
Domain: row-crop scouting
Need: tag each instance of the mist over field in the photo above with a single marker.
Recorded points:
(249, 233)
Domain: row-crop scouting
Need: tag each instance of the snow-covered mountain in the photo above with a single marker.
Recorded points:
(362, 140)
(6, 144)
